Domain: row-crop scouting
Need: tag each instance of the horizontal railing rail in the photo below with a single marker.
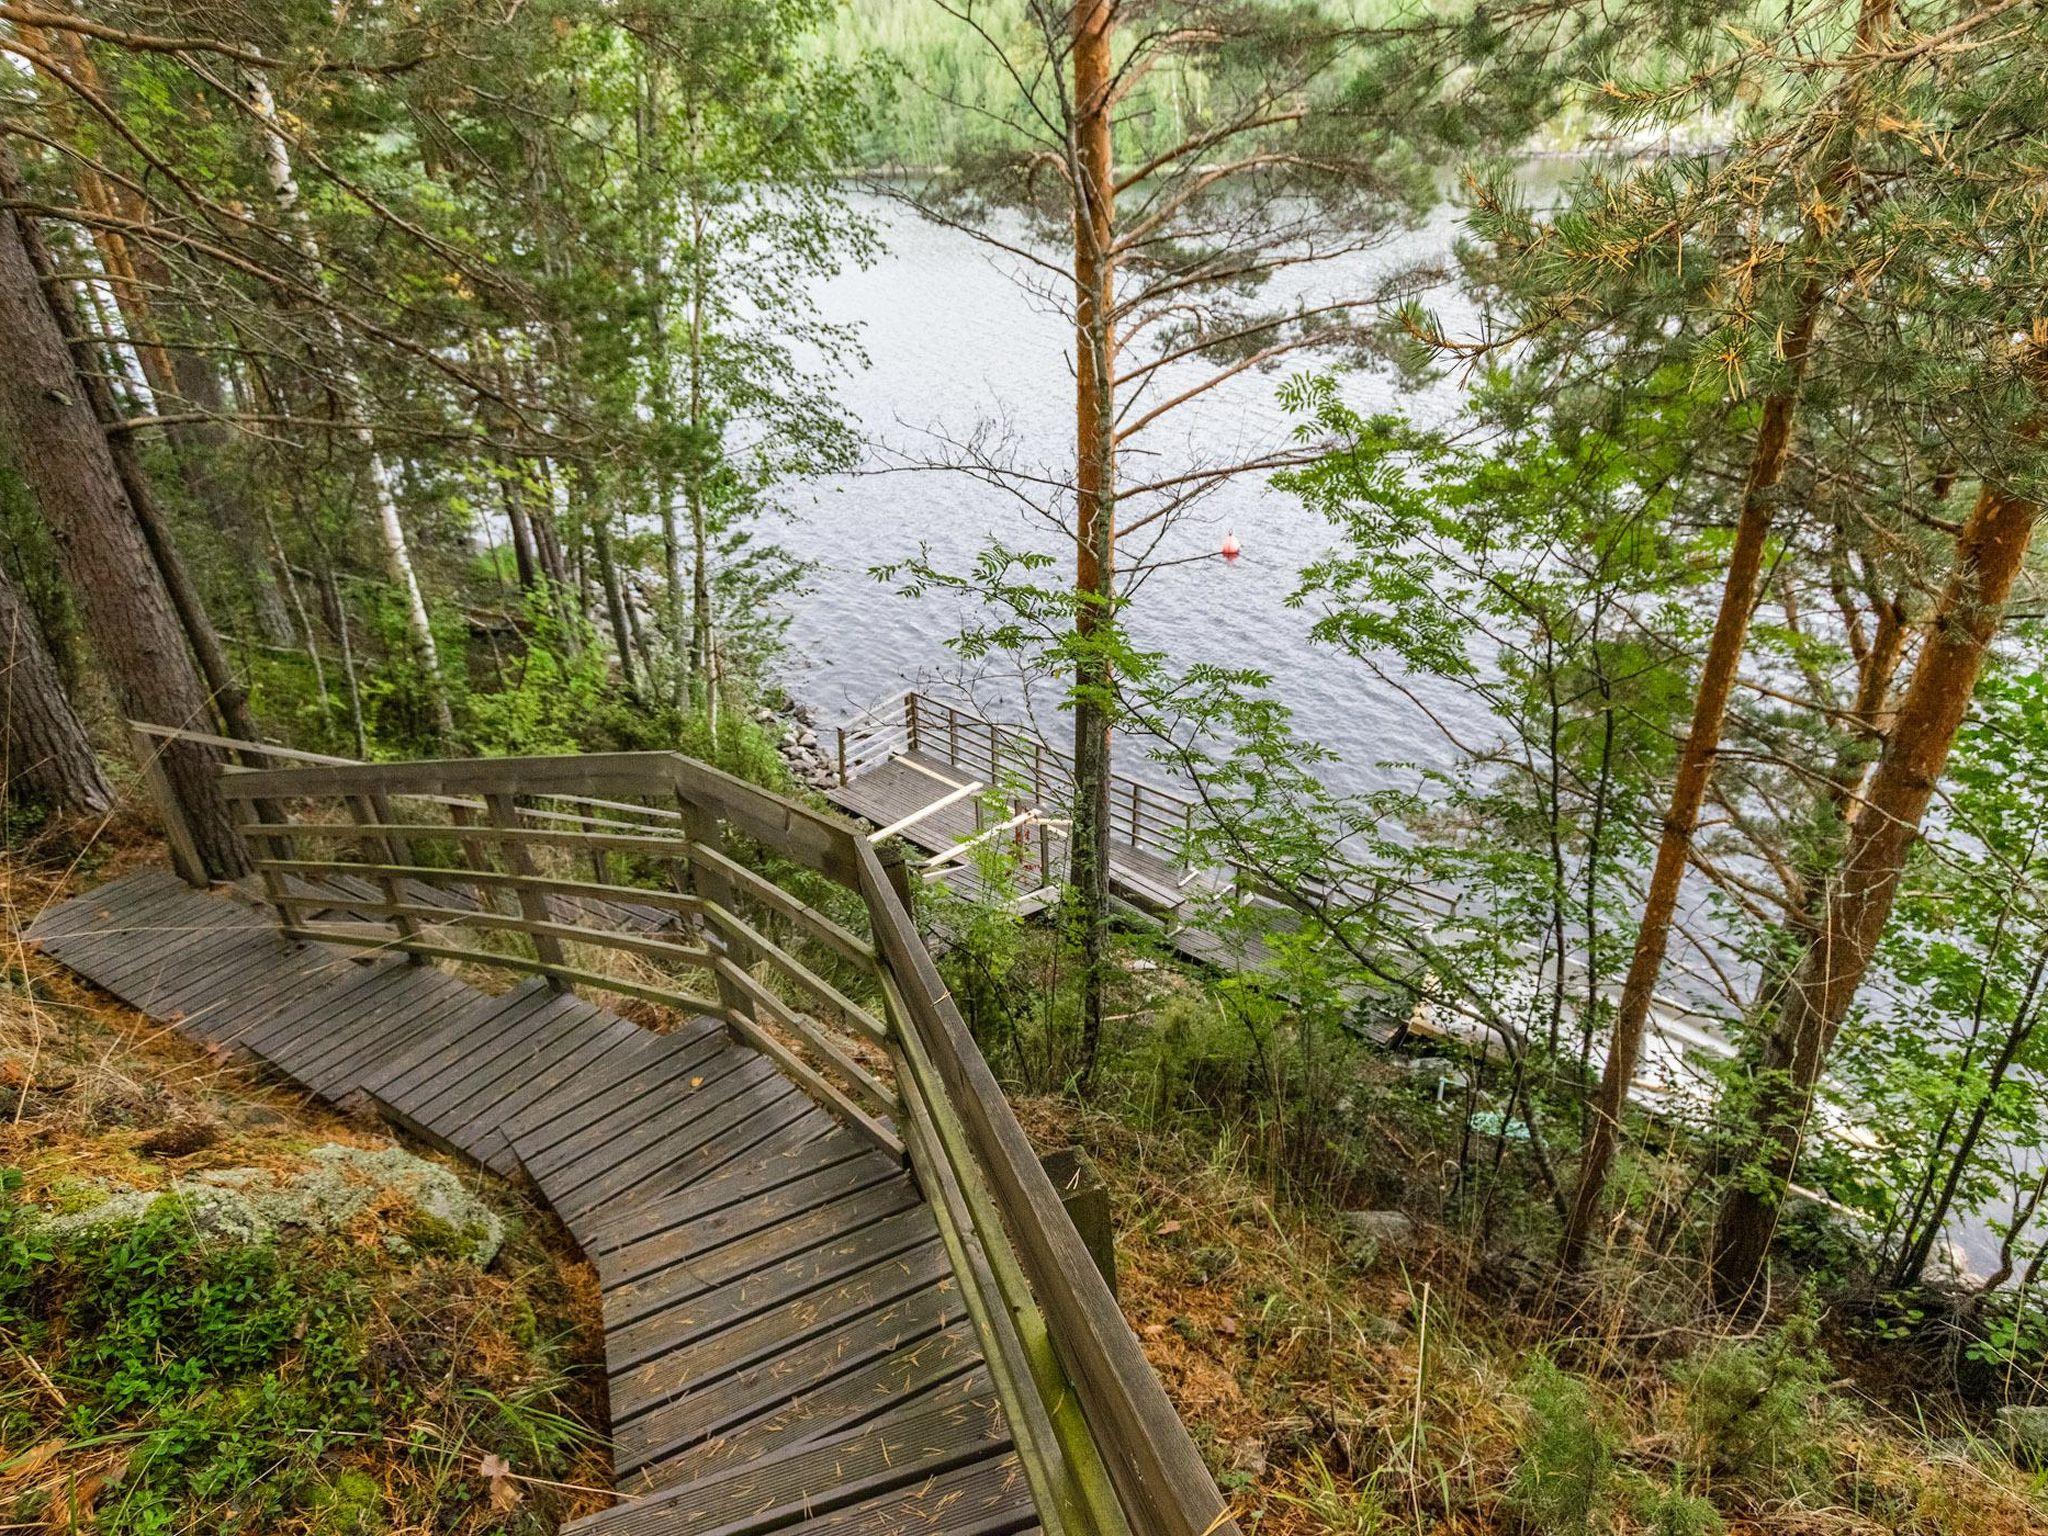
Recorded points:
(1013, 762)
(714, 896)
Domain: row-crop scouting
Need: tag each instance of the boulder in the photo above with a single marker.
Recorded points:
(1369, 1234)
(341, 1184)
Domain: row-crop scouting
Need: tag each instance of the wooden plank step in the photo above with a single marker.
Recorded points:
(792, 1112)
(786, 1240)
(304, 1025)
(894, 1274)
(697, 1117)
(406, 1075)
(941, 1367)
(481, 1030)
(800, 1482)
(793, 1115)
(985, 1497)
(777, 1159)
(589, 1059)
(471, 1114)
(702, 1234)
(871, 1358)
(659, 1073)
(420, 1001)
(674, 1314)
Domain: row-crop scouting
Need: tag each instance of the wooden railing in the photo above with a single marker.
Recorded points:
(707, 895)
(1013, 761)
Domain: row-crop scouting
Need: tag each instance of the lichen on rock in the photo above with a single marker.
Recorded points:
(339, 1186)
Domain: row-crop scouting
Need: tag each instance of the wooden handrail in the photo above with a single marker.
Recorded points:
(1102, 1447)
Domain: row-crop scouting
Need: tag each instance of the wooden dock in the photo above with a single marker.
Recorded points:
(929, 771)
(785, 1344)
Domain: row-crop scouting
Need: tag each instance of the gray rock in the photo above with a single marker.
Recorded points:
(1248, 1456)
(2025, 1431)
(1369, 1234)
(254, 1204)
(120, 1208)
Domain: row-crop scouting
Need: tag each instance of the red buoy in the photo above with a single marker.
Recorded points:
(1231, 548)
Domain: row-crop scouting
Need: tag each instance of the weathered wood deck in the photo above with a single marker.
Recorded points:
(901, 786)
(786, 1344)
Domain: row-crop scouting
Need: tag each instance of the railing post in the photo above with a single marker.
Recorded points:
(380, 848)
(952, 735)
(910, 731)
(708, 883)
(474, 858)
(842, 757)
(1135, 788)
(897, 871)
(533, 905)
(185, 857)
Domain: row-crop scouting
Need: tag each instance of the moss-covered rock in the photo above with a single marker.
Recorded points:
(426, 1206)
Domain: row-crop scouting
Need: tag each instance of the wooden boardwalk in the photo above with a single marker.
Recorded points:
(786, 1344)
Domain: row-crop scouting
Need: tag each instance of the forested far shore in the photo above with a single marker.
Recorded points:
(1622, 1111)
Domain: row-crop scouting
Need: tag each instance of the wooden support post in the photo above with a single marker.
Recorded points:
(533, 904)
(170, 809)
(475, 858)
(710, 883)
(382, 848)
(897, 871)
(910, 720)
(842, 757)
(1135, 787)
(1086, 1199)
(952, 735)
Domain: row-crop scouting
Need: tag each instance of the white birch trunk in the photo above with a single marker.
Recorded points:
(284, 187)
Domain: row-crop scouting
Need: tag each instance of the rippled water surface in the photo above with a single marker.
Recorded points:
(957, 348)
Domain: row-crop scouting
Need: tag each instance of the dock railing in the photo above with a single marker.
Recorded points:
(708, 895)
(1013, 760)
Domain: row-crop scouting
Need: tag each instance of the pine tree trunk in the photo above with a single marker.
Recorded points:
(1095, 499)
(65, 459)
(1768, 456)
(525, 564)
(1989, 554)
(133, 274)
(44, 753)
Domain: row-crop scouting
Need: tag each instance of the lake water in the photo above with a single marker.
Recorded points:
(958, 347)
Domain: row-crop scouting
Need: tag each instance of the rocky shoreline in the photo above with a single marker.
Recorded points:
(803, 750)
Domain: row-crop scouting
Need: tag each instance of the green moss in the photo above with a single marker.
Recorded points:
(248, 1379)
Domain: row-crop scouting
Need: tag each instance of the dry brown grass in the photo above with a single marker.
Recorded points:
(1326, 1403)
(93, 1093)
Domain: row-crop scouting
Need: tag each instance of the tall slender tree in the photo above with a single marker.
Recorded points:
(1991, 551)
(44, 751)
(65, 459)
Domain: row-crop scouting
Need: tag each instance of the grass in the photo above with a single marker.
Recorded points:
(1429, 1390)
(162, 1377)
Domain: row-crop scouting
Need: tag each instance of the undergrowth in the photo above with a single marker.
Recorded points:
(159, 1375)
(1424, 1389)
